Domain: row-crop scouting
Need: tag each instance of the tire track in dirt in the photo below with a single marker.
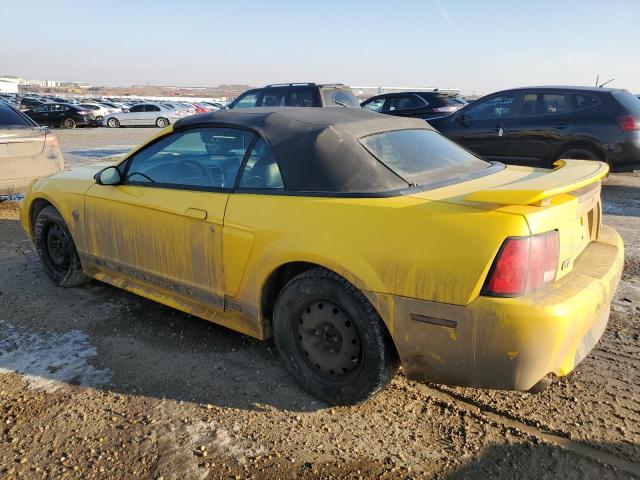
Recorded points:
(479, 409)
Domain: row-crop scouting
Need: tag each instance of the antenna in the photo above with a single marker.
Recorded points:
(597, 79)
(608, 81)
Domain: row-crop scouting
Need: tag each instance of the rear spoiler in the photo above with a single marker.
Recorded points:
(569, 175)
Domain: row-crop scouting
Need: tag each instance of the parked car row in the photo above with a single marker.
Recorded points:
(525, 126)
(71, 112)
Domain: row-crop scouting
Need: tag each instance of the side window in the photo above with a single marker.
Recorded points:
(44, 108)
(529, 106)
(203, 157)
(491, 109)
(404, 102)
(300, 97)
(136, 108)
(555, 103)
(375, 105)
(261, 170)
(248, 100)
(272, 98)
(585, 101)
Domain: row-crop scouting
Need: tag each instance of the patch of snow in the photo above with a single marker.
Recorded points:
(49, 361)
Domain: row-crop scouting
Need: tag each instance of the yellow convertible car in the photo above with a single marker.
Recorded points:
(357, 241)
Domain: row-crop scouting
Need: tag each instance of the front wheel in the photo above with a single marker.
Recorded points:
(69, 123)
(331, 340)
(56, 249)
(162, 122)
(113, 123)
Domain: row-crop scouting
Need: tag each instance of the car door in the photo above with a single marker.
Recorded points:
(133, 117)
(543, 122)
(162, 225)
(483, 127)
(150, 114)
(41, 115)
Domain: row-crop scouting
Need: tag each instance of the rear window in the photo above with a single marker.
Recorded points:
(339, 97)
(421, 156)
(628, 101)
(9, 116)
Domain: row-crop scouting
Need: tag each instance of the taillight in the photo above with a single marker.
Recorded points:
(523, 265)
(629, 124)
(82, 112)
(51, 141)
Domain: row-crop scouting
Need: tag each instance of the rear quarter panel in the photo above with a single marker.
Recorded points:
(399, 245)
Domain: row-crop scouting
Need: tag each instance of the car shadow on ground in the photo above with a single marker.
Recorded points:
(545, 461)
(103, 337)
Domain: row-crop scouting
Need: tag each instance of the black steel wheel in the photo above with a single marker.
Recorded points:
(56, 249)
(331, 340)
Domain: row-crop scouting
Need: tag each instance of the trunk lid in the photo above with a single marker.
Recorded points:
(566, 199)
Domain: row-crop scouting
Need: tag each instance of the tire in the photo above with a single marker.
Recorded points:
(113, 123)
(99, 118)
(56, 249)
(331, 340)
(580, 153)
(162, 122)
(69, 123)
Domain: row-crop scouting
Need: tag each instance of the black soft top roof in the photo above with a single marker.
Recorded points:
(317, 149)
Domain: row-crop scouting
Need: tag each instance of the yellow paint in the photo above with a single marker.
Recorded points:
(568, 176)
(434, 248)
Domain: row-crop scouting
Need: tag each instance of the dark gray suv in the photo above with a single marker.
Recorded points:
(297, 95)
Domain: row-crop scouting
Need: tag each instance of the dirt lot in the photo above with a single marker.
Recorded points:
(99, 383)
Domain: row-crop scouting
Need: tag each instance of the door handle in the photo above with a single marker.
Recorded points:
(196, 213)
(500, 131)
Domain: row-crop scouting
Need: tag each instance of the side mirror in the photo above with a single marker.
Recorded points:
(108, 176)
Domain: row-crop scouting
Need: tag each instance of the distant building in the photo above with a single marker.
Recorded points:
(9, 84)
(83, 85)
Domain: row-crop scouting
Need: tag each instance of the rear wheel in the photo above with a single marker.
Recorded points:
(331, 340)
(56, 249)
(162, 122)
(580, 153)
(113, 123)
(69, 123)
(99, 118)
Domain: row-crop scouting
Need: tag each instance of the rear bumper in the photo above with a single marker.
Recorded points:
(509, 343)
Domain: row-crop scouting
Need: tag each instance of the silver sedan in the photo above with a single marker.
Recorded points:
(143, 114)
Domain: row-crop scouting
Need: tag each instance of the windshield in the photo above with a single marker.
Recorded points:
(421, 156)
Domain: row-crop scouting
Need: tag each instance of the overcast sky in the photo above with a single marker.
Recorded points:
(478, 46)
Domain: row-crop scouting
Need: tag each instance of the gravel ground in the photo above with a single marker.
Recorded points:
(98, 383)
